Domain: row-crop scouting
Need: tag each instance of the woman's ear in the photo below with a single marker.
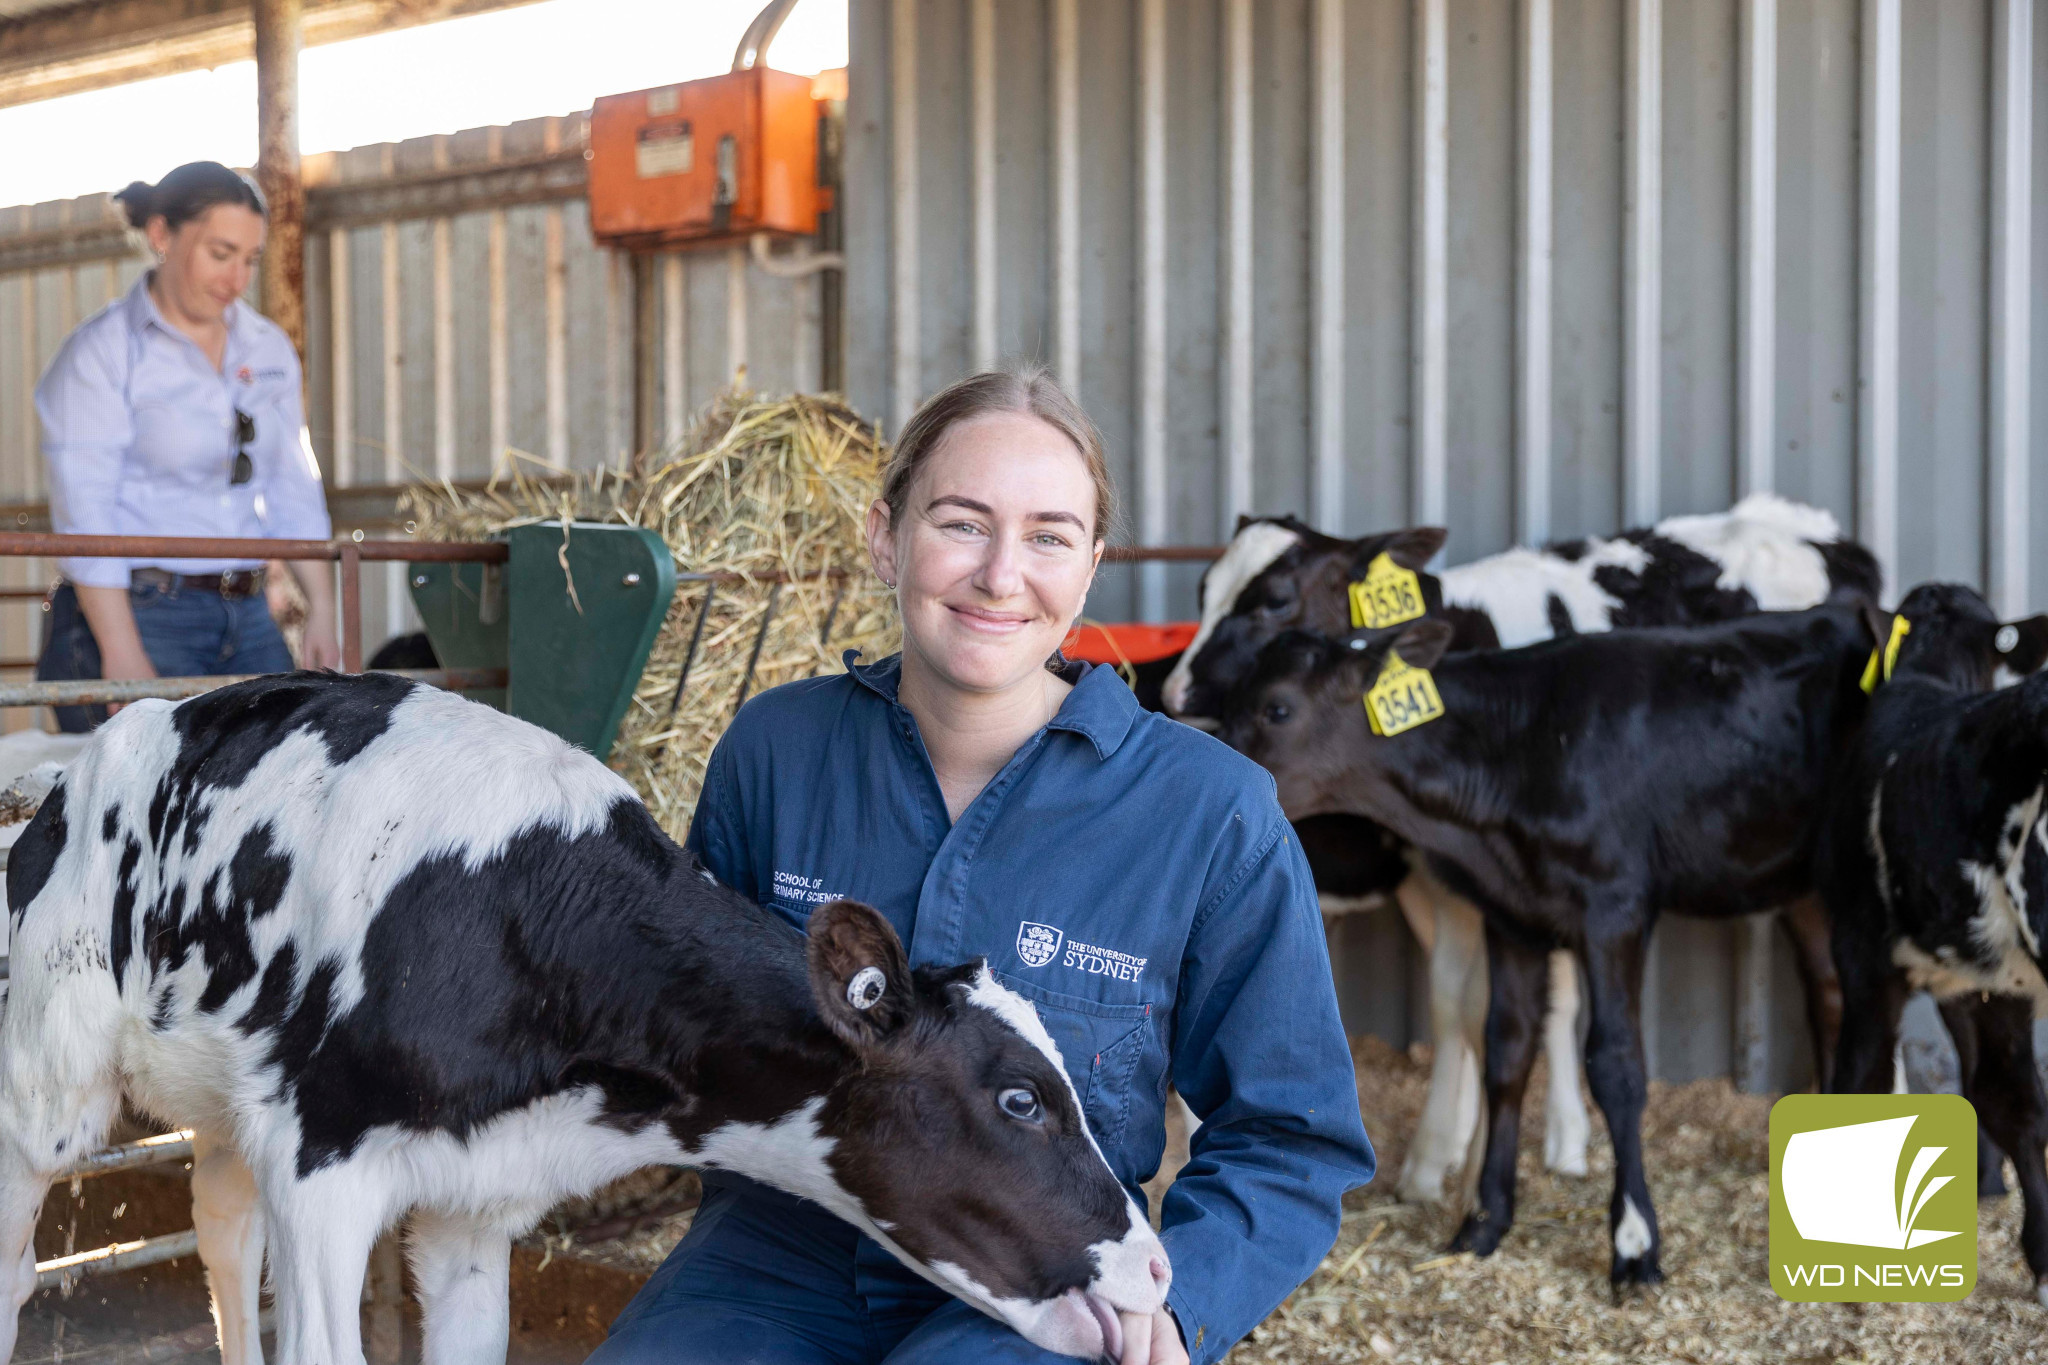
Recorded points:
(159, 233)
(882, 542)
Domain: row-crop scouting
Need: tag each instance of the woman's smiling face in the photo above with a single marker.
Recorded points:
(994, 551)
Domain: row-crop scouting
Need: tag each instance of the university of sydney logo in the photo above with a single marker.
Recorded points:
(1037, 944)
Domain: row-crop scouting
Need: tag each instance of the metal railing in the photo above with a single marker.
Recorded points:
(351, 553)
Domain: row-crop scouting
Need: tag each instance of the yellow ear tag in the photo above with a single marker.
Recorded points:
(1402, 698)
(1386, 596)
(1900, 628)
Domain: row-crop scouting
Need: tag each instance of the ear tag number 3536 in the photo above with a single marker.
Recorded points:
(1386, 596)
(1403, 698)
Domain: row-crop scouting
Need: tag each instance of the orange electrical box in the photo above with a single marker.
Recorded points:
(717, 158)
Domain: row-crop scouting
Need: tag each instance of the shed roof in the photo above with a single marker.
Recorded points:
(58, 47)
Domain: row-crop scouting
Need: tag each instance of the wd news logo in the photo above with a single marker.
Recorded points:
(1873, 1198)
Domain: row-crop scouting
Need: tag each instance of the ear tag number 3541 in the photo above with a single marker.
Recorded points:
(1403, 698)
(1386, 596)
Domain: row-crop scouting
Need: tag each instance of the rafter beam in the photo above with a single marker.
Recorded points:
(112, 42)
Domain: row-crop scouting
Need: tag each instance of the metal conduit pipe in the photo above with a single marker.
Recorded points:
(753, 48)
(792, 267)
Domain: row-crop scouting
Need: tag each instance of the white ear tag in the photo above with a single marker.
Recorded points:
(865, 988)
(2008, 636)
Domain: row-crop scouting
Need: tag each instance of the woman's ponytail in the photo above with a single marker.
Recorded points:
(188, 192)
(135, 200)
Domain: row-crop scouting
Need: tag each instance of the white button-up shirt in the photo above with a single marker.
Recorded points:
(139, 437)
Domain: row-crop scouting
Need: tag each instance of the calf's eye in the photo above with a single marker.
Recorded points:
(1277, 712)
(1020, 1103)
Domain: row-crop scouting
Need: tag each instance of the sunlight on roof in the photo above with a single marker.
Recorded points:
(554, 57)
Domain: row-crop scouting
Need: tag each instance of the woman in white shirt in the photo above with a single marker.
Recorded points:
(176, 411)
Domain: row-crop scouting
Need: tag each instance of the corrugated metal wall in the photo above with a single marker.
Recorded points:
(460, 336)
(1527, 268)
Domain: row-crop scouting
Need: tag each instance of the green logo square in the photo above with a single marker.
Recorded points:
(1873, 1198)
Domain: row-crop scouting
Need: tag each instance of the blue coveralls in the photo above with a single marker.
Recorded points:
(1133, 878)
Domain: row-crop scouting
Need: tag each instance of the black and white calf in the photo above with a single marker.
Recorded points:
(1278, 575)
(1934, 864)
(389, 951)
(1573, 790)
(1764, 554)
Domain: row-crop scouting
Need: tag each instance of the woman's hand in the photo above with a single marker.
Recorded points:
(1153, 1340)
(126, 664)
(317, 647)
(112, 620)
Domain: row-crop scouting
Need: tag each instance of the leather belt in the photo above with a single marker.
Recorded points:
(232, 584)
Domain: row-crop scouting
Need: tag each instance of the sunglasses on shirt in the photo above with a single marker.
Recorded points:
(245, 434)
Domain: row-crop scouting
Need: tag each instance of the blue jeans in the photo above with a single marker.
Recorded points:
(185, 633)
(764, 1278)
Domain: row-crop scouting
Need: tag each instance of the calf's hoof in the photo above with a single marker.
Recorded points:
(1422, 1184)
(2041, 1291)
(1478, 1234)
(1634, 1272)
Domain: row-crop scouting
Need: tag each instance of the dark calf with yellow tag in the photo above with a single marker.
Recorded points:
(1934, 864)
(1573, 790)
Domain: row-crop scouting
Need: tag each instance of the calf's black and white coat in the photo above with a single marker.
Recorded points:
(1934, 864)
(1766, 553)
(1573, 790)
(388, 951)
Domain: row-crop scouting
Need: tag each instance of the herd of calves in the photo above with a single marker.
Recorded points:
(1710, 717)
(256, 913)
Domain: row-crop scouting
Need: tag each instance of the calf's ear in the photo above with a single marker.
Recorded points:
(2023, 645)
(1423, 644)
(1411, 549)
(860, 978)
(1878, 622)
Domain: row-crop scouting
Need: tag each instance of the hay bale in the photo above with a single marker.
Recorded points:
(771, 491)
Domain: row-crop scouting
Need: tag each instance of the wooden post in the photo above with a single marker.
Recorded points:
(278, 35)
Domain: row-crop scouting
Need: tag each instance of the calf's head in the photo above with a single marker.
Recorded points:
(1279, 575)
(960, 1137)
(1301, 713)
(1946, 633)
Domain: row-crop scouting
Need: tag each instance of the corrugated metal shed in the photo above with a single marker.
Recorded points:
(440, 342)
(1527, 268)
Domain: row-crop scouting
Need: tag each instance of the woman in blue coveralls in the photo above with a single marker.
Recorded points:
(1131, 876)
(175, 411)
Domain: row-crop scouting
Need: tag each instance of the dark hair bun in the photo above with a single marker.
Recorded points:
(188, 192)
(135, 202)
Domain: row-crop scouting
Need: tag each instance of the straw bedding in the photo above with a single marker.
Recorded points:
(1386, 1292)
(772, 490)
